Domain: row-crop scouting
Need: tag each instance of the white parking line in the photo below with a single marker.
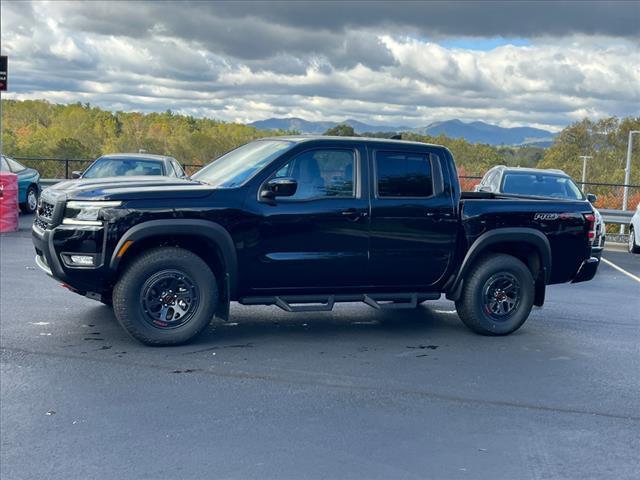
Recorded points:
(621, 270)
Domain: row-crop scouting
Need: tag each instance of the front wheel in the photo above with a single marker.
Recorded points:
(167, 296)
(633, 246)
(31, 203)
(497, 295)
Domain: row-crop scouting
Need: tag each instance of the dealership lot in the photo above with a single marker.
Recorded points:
(355, 393)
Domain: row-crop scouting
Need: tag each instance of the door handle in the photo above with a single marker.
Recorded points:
(353, 214)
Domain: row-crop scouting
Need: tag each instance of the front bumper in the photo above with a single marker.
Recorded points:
(51, 244)
(587, 270)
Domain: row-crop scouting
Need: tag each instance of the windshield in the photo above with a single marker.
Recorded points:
(120, 167)
(541, 185)
(4, 167)
(236, 167)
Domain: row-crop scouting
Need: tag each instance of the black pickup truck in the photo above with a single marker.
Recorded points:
(303, 223)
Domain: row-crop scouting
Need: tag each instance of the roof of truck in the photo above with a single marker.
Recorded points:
(308, 138)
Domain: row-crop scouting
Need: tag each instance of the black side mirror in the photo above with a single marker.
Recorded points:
(76, 174)
(592, 198)
(280, 187)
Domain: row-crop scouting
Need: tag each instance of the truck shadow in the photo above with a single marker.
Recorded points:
(249, 324)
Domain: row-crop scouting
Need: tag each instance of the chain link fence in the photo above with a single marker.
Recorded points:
(610, 195)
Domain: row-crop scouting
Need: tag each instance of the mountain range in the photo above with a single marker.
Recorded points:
(474, 132)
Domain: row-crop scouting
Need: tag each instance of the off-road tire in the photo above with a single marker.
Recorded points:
(128, 292)
(473, 307)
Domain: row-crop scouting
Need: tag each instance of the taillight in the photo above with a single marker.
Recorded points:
(591, 220)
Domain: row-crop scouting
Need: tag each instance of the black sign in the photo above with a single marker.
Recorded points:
(3, 72)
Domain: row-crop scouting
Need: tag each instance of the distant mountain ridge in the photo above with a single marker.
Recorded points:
(474, 132)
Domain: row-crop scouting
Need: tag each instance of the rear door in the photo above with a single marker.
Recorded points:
(413, 223)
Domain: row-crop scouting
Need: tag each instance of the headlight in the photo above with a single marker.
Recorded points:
(85, 213)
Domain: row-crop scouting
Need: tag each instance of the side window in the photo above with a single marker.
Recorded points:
(322, 173)
(402, 174)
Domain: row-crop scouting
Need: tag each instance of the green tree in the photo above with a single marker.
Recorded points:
(341, 130)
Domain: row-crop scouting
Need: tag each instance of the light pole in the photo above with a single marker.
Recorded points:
(584, 168)
(627, 174)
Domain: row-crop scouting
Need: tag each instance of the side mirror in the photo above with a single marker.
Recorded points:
(76, 174)
(280, 187)
(592, 198)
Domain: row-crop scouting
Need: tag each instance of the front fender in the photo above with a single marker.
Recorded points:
(184, 227)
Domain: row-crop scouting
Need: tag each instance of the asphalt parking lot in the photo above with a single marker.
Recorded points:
(355, 393)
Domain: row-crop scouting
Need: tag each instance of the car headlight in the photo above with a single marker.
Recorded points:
(85, 213)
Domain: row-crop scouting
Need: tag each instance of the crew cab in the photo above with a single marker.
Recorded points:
(302, 223)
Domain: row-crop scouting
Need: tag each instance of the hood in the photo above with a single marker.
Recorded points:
(130, 188)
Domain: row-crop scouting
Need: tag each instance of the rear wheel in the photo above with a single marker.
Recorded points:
(497, 295)
(633, 246)
(166, 296)
(31, 203)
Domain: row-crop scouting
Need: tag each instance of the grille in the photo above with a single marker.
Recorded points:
(40, 224)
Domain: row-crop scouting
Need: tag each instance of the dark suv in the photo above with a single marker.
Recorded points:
(303, 223)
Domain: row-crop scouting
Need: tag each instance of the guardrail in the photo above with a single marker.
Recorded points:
(619, 217)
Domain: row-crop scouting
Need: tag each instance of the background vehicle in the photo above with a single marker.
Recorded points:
(132, 164)
(535, 182)
(634, 232)
(303, 223)
(28, 183)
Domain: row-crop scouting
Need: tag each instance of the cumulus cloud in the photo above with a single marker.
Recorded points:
(377, 62)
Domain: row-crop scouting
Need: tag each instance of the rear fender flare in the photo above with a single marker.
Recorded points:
(530, 236)
(185, 227)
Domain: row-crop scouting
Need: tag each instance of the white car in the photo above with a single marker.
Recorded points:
(634, 232)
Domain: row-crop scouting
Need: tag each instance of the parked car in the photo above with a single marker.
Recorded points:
(535, 182)
(303, 223)
(28, 183)
(131, 164)
(634, 232)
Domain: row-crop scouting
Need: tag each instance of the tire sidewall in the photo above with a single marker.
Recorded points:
(129, 310)
(26, 208)
(488, 324)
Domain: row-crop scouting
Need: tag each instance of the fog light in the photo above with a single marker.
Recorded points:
(86, 260)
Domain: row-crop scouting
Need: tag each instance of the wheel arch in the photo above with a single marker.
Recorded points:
(206, 239)
(527, 244)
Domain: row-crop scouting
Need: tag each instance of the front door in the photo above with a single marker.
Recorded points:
(413, 223)
(316, 240)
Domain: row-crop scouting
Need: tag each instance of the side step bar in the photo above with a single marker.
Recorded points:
(325, 303)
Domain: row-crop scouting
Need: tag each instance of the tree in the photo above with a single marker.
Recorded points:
(341, 130)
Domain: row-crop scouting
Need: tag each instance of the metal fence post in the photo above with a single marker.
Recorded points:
(66, 168)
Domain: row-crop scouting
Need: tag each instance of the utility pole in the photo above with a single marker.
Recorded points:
(584, 168)
(627, 174)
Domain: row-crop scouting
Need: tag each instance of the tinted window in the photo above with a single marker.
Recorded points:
(4, 166)
(322, 173)
(238, 166)
(120, 167)
(404, 174)
(541, 185)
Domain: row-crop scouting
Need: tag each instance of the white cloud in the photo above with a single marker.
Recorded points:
(377, 75)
